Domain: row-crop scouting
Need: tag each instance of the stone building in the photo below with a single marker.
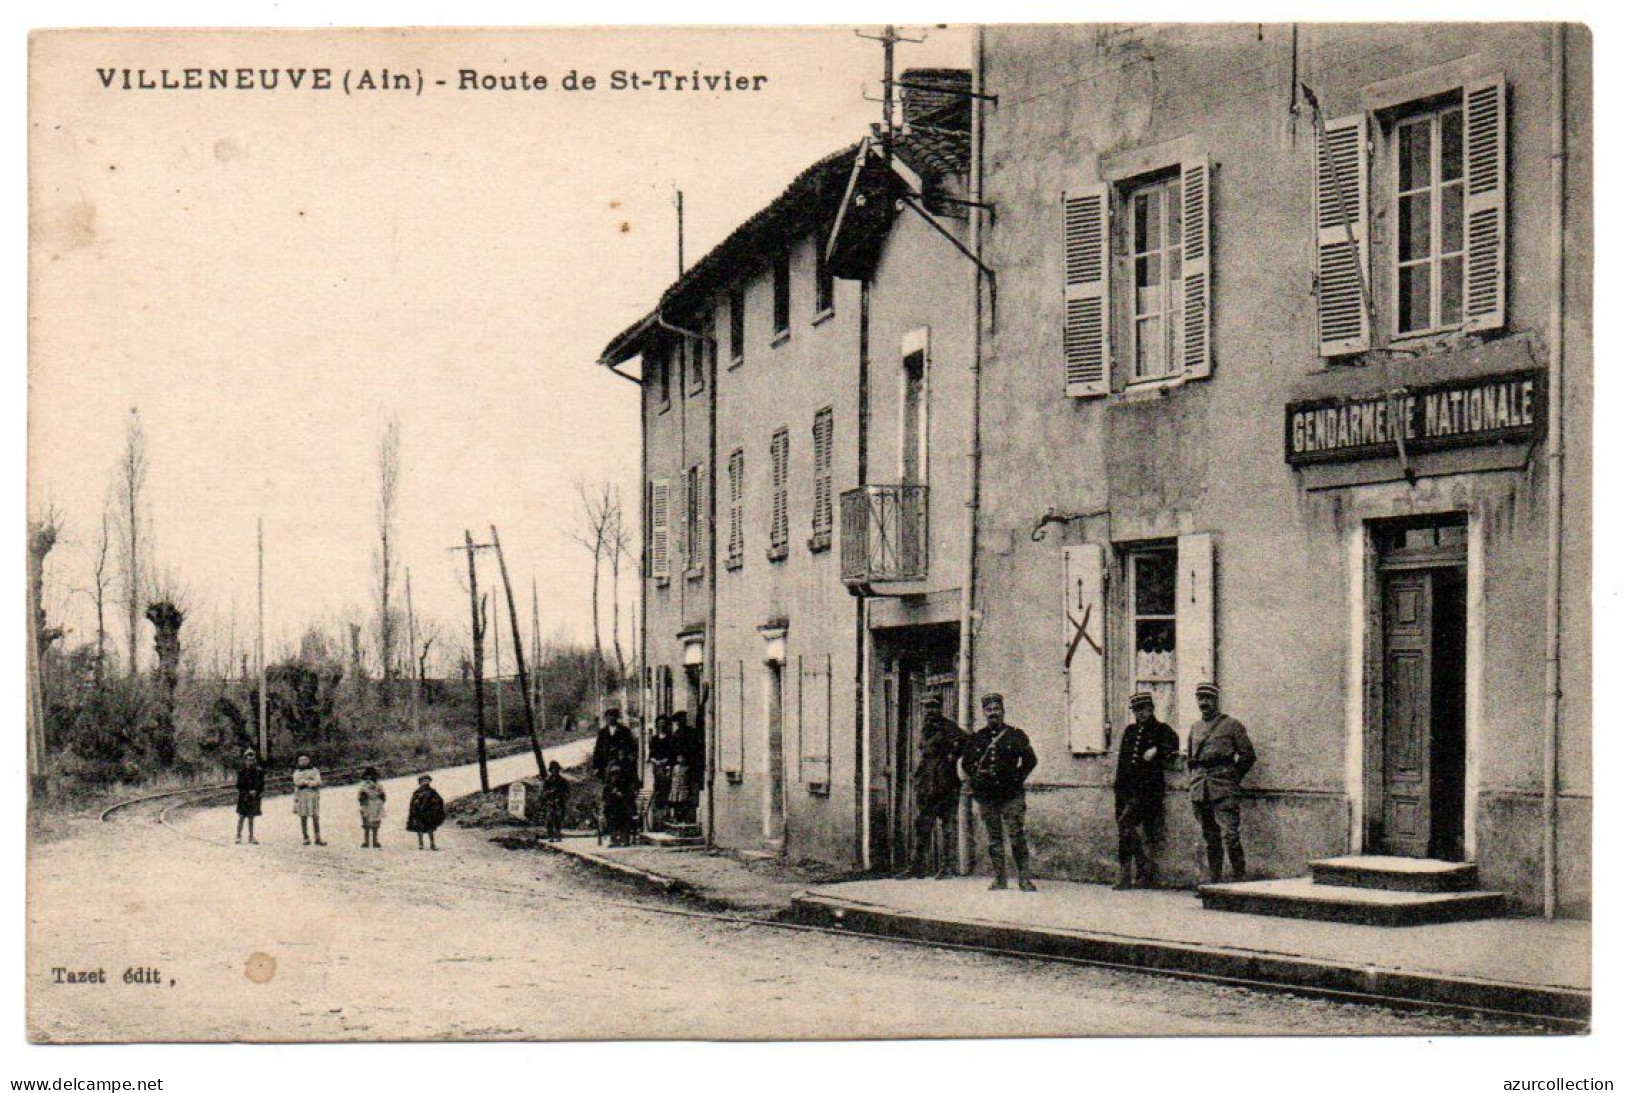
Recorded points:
(1289, 388)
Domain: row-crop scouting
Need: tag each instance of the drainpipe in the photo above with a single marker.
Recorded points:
(1554, 480)
(711, 666)
(860, 747)
(967, 595)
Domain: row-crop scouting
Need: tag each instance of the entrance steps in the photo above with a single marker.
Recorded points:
(1371, 890)
(675, 835)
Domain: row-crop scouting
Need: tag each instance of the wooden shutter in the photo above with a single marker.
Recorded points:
(699, 546)
(1086, 340)
(660, 530)
(736, 505)
(1341, 164)
(823, 458)
(679, 522)
(1197, 237)
(1193, 625)
(1083, 624)
(1486, 139)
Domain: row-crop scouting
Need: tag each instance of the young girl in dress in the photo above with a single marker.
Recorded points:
(307, 799)
(371, 798)
(426, 813)
(250, 788)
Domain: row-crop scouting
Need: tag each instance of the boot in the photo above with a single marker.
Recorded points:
(1148, 873)
(1000, 883)
(1125, 877)
(1238, 863)
(1025, 883)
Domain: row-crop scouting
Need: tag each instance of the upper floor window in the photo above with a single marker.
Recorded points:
(694, 521)
(781, 293)
(1157, 302)
(736, 325)
(1430, 198)
(778, 542)
(823, 502)
(825, 281)
(1432, 152)
(698, 351)
(736, 508)
(664, 360)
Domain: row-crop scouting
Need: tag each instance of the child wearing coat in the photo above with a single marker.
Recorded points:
(371, 799)
(426, 812)
(555, 798)
(307, 799)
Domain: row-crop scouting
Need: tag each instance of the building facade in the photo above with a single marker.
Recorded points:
(1289, 389)
(804, 407)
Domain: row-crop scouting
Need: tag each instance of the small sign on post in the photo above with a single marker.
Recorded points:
(516, 800)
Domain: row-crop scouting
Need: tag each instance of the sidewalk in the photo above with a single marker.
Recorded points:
(1525, 966)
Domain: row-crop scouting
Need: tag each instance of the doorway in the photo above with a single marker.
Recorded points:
(773, 804)
(1423, 756)
(921, 662)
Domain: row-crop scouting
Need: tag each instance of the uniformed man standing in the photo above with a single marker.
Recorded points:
(1219, 757)
(998, 758)
(1147, 747)
(936, 788)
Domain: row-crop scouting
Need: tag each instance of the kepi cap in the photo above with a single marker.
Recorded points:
(1211, 690)
(1141, 698)
(990, 699)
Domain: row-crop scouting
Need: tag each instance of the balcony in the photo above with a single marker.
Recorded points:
(883, 535)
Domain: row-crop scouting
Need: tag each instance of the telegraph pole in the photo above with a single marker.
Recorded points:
(412, 653)
(519, 658)
(477, 624)
(679, 234)
(496, 677)
(536, 656)
(259, 649)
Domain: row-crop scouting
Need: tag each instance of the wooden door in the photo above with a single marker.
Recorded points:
(773, 821)
(1407, 712)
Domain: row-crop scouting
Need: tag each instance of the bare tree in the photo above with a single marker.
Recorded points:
(167, 612)
(132, 525)
(600, 516)
(44, 531)
(100, 573)
(384, 558)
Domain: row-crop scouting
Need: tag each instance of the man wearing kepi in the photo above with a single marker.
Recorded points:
(1219, 757)
(1147, 747)
(998, 758)
(936, 788)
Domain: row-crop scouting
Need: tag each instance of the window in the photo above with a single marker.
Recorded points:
(781, 294)
(736, 508)
(1152, 625)
(1441, 177)
(699, 352)
(694, 522)
(663, 361)
(823, 507)
(778, 546)
(824, 280)
(1148, 236)
(1430, 247)
(736, 325)
(1155, 252)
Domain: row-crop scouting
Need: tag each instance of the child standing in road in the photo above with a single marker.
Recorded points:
(371, 798)
(307, 799)
(426, 812)
(250, 788)
(555, 798)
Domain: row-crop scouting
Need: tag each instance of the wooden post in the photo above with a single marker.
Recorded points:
(496, 679)
(479, 661)
(537, 696)
(259, 652)
(519, 658)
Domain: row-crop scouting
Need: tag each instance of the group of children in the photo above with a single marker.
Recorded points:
(424, 815)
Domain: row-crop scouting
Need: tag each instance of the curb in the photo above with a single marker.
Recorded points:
(658, 882)
(1567, 1007)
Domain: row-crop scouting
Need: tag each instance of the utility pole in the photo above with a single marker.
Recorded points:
(519, 658)
(496, 677)
(536, 656)
(412, 654)
(477, 624)
(259, 650)
(680, 269)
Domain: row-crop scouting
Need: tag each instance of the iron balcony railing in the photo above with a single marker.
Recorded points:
(883, 534)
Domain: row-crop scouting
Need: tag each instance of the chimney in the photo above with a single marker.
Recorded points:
(920, 105)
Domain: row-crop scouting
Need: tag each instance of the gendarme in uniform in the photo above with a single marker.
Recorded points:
(1219, 757)
(997, 760)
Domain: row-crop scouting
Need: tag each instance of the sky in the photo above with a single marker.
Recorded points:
(269, 277)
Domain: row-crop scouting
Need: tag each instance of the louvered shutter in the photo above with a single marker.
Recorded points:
(660, 530)
(736, 505)
(1196, 213)
(1193, 625)
(1083, 633)
(699, 546)
(1086, 340)
(1486, 136)
(1341, 166)
(679, 522)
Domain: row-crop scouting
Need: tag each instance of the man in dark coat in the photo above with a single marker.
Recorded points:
(996, 761)
(615, 741)
(1147, 747)
(936, 788)
(1219, 757)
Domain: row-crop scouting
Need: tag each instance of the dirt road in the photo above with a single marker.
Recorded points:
(285, 942)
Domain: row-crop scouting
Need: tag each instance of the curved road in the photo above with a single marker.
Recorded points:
(285, 942)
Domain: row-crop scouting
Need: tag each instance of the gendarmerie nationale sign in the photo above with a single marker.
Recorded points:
(1505, 408)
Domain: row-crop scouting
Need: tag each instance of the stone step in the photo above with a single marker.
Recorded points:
(670, 838)
(1395, 874)
(1301, 897)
